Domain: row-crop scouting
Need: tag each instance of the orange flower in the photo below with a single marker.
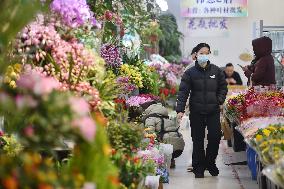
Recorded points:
(10, 183)
(45, 186)
(100, 118)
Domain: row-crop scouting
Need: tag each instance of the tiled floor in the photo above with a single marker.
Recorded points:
(231, 177)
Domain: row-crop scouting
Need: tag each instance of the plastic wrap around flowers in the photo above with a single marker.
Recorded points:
(111, 55)
(255, 104)
(74, 13)
(249, 127)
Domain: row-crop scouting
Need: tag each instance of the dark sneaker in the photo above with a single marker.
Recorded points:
(213, 170)
(199, 175)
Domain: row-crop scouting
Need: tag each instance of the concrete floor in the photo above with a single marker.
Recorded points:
(231, 177)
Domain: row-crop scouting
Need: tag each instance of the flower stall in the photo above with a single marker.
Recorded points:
(259, 115)
(72, 86)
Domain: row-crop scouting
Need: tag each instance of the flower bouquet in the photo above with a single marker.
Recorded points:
(269, 143)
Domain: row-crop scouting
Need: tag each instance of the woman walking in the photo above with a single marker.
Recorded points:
(206, 85)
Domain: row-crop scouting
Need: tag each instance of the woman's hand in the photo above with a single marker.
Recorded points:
(245, 68)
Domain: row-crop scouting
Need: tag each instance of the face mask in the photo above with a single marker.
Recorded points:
(202, 59)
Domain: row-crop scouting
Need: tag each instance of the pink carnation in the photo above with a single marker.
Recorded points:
(87, 127)
(79, 105)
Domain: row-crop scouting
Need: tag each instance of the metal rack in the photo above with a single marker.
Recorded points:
(277, 52)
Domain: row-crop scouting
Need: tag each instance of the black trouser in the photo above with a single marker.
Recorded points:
(198, 123)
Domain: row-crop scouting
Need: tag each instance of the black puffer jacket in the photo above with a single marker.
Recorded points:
(207, 88)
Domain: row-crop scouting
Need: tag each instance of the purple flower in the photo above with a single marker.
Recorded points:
(171, 79)
(111, 55)
(136, 101)
(74, 13)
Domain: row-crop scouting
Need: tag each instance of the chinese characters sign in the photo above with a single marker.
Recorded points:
(208, 27)
(214, 8)
(197, 24)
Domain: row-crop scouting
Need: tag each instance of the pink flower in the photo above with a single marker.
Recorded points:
(35, 81)
(45, 86)
(25, 101)
(79, 105)
(29, 131)
(87, 127)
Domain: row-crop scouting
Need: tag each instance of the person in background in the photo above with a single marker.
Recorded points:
(262, 69)
(156, 119)
(206, 85)
(232, 77)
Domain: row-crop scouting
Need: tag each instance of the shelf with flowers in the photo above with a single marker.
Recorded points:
(269, 143)
(243, 106)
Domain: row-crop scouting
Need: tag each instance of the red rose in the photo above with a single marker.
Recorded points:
(173, 91)
(108, 15)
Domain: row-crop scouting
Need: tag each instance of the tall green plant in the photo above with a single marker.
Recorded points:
(169, 42)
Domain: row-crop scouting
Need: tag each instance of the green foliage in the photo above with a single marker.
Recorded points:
(92, 160)
(124, 136)
(150, 80)
(169, 42)
(132, 169)
(10, 145)
(109, 90)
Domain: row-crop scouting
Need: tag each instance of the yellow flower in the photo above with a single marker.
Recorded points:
(106, 149)
(266, 132)
(258, 138)
(7, 79)
(147, 129)
(17, 68)
(12, 84)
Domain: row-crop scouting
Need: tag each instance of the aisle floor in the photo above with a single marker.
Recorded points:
(231, 176)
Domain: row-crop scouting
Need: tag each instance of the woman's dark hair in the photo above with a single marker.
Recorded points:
(200, 46)
(193, 51)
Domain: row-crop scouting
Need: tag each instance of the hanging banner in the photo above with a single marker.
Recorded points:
(214, 8)
(207, 27)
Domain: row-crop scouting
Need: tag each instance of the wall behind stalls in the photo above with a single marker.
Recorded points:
(228, 45)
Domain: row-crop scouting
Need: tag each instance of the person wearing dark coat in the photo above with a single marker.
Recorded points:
(262, 69)
(232, 77)
(206, 85)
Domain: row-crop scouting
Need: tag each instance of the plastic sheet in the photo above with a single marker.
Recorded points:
(152, 182)
(275, 173)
